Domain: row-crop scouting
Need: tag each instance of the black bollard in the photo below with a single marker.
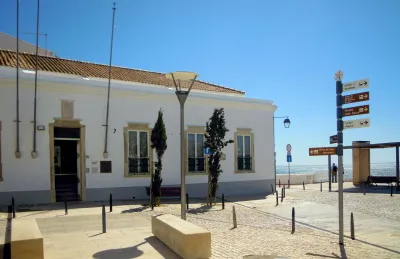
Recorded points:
(288, 183)
(103, 217)
(391, 190)
(272, 188)
(304, 187)
(9, 212)
(110, 202)
(279, 182)
(66, 207)
(321, 186)
(282, 194)
(223, 201)
(277, 200)
(13, 207)
(284, 191)
(352, 226)
(293, 221)
(187, 201)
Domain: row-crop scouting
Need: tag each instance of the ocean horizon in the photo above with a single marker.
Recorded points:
(321, 171)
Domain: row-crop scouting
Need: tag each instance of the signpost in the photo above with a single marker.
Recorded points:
(333, 139)
(322, 151)
(357, 110)
(353, 124)
(359, 84)
(289, 159)
(355, 98)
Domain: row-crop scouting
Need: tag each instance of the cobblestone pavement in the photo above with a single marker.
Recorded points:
(261, 234)
(377, 204)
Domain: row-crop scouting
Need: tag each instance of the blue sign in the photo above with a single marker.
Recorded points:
(207, 151)
(289, 158)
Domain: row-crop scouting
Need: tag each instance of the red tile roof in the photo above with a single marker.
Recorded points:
(86, 69)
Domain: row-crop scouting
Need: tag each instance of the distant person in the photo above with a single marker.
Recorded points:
(334, 173)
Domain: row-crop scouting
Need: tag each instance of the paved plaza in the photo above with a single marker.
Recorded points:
(263, 228)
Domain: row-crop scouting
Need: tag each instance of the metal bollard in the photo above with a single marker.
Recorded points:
(321, 186)
(293, 221)
(223, 201)
(277, 200)
(103, 217)
(13, 207)
(111, 202)
(187, 201)
(66, 206)
(234, 217)
(352, 226)
(282, 194)
(279, 182)
(272, 188)
(288, 184)
(391, 190)
(304, 187)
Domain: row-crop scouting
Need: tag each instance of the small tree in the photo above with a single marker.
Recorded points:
(158, 142)
(215, 140)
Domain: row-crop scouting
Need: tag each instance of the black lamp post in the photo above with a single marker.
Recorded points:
(286, 124)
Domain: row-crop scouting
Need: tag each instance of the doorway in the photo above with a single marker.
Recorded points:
(67, 164)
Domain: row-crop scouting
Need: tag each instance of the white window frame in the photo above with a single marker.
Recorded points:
(195, 150)
(138, 148)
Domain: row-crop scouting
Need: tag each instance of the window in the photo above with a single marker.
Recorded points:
(195, 152)
(244, 153)
(138, 154)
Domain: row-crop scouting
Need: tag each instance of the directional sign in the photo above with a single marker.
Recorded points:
(322, 151)
(359, 84)
(353, 124)
(289, 148)
(355, 98)
(333, 139)
(207, 151)
(358, 110)
(289, 158)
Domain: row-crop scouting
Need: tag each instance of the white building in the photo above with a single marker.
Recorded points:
(70, 136)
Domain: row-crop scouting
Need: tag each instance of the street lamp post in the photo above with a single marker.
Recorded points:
(286, 124)
(183, 82)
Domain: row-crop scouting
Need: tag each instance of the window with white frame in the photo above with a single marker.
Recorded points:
(195, 152)
(244, 156)
(138, 152)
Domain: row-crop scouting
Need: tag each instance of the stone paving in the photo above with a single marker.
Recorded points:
(261, 230)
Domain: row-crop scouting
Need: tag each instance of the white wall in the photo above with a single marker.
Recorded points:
(125, 106)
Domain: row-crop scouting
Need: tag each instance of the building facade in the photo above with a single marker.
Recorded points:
(70, 135)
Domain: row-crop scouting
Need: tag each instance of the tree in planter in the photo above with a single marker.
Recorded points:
(158, 142)
(215, 140)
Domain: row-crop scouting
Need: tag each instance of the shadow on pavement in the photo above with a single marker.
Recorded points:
(120, 253)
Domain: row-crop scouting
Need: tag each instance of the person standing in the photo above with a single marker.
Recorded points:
(334, 173)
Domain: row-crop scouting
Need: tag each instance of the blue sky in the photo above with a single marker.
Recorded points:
(285, 51)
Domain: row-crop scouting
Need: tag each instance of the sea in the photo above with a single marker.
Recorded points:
(321, 171)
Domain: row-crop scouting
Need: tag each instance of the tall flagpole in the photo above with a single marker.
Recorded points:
(105, 153)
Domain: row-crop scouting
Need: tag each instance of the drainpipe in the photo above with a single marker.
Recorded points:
(34, 151)
(105, 153)
(17, 151)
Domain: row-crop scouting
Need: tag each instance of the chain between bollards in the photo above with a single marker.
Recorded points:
(352, 226)
(13, 207)
(111, 202)
(223, 201)
(103, 217)
(293, 221)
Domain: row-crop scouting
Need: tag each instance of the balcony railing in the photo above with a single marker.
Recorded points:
(244, 163)
(139, 166)
(196, 164)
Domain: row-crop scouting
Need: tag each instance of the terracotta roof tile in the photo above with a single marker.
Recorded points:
(86, 69)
